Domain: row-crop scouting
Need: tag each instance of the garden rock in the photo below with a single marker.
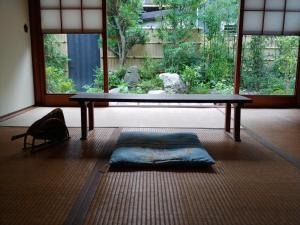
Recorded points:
(115, 90)
(132, 76)
(156, 92)
(172, 83)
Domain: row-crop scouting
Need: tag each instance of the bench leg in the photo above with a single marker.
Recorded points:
(237, 122)
(227, 117)
(83, 120)
(91, 115)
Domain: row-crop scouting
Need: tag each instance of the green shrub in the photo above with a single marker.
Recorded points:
(116, 77)
(150, 69)
(56, 61)
(222, 87)
(190, 76)
(58, 82)
(115, 80)
(201, 88)
(146, 85)
(176, 57)
(97, 85)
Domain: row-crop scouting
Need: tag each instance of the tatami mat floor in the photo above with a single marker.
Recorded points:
(70, 183)
(131, 117)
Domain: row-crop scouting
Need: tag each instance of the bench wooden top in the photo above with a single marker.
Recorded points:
(164, 98)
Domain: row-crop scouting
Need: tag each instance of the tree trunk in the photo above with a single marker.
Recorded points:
(122, 48)
(287, 83)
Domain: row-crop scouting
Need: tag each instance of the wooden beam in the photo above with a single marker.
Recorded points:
(238, 61)
(227, 117)
(263, 19)
(104, 47)
(297, 83)
(37, 51)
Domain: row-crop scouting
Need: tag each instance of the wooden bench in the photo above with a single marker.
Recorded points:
(87, 100)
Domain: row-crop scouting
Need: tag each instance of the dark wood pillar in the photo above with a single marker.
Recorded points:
(237, 122)
(83, 120)
(227, 117)
(91, 115)
(104, 47)
(297, 85)
(238, 60)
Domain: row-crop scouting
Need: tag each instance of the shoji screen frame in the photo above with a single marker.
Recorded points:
(279, 16)
(264, 100)
(42, 98)
(63, 15)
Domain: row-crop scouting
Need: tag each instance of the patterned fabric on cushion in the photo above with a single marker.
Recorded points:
(144, 148)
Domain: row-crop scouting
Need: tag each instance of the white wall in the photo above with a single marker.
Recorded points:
(16, 79)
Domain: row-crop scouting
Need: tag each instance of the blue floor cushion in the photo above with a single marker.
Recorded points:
(144, 148)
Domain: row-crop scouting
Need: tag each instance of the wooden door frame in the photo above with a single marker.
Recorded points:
(42, 98)
(273, 101)
(39, 76)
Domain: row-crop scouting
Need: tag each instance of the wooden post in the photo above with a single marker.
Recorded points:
(37, 52)
(83, 120)
(237, 122)
(237, 75)
(104, 47)
(227, 117)
(91, 115)
(297, 85)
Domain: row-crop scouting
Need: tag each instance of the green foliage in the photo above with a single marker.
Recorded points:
(222, 87)
(123, 28)
(286, 63)
(149, 76)
(56, 63)
(97, 86)
(115, 80)
(177, 57)
(274, 77)
(216, 61)
(176, 29)
(254, 69)
(201, 88)
(58, 82)
(190, 76)
(152, 84)
(178, 25)
(53, 54)
(150, 69)
(218, 11)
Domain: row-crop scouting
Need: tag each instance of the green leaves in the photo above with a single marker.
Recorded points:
(269, 65)
(124, 29)
(58, 82)
(56, 61)
(180, 21)
(190, 75)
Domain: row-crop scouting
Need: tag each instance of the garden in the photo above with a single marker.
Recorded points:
(197, 40)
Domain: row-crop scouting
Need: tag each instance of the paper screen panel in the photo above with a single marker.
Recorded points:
(275, 4)
(92, 20)
(70, 3)
(254, 4)
(71, 20)
(92, 3)
(273, 22)
(49, 3)
(293, 5)
(50, 20)
(253, 22)
(292, 23)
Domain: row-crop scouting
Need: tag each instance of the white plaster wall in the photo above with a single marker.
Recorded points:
(16, 79)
